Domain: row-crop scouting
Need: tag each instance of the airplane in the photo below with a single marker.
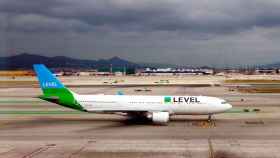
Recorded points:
(157, 109)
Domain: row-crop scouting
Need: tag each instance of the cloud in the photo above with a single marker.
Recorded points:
(216, 16)
(38, 23)
(186, 32)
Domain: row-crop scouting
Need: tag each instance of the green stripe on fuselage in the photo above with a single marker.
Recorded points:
(61, 96)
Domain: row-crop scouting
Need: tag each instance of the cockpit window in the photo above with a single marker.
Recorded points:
(224, 102)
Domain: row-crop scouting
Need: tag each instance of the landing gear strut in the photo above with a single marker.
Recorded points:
(209, 117)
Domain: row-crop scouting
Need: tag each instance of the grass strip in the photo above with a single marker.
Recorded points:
(39, 112)
(252, 81)
(237, 110)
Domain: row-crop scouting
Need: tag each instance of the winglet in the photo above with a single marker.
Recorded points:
(120, 93)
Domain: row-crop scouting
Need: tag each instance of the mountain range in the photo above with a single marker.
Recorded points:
(26, 60)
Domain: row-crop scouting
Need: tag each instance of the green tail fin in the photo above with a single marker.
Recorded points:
(53, 90)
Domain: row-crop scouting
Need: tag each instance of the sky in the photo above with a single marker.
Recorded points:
(182, 32)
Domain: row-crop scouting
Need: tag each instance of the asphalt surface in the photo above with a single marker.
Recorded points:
(30, 127)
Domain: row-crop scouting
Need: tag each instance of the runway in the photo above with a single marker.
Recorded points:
(30, 127)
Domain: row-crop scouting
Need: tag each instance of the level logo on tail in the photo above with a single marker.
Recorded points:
(46, 78)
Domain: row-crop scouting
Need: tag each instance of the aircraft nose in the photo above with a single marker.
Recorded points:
(227, 107)
(220, 108)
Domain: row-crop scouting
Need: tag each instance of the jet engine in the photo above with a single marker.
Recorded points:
(159, 117)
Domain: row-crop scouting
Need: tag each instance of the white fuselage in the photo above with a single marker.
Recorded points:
(189, 105)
